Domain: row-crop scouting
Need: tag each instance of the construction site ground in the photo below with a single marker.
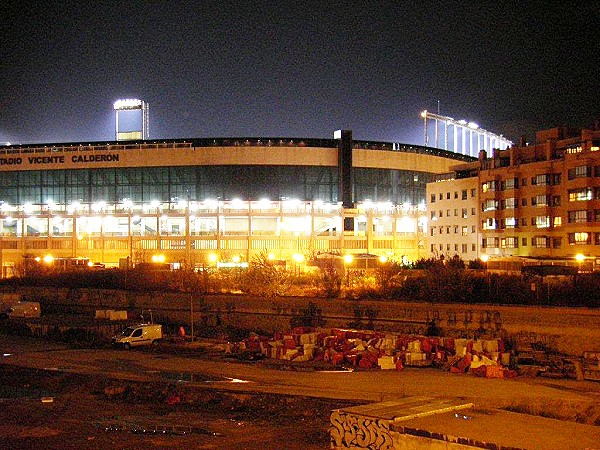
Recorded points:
(56, 396)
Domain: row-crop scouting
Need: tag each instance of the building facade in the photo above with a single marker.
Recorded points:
(453, 207)
(195, 201)
(543, 200)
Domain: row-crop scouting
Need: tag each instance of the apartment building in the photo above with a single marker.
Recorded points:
(543, 200)
(453, 208)
(539, 201)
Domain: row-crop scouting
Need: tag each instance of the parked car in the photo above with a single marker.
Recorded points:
(143, 334)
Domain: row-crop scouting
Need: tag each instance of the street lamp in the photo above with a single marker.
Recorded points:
(348, 260)
(298, 258)
(580, 258)
(484, 259)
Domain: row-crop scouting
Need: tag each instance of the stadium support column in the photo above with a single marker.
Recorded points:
(345, 174)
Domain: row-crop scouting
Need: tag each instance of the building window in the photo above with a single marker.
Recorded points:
(455, 229)
(580, 172)
(511, 222)
(464, 194)
(488, 186)
(490, 224)
(556, 200)
(433, 216)
(557, 221)
(473, 229)
(455, 194)
(456, 212)
(432, 198)
(556, 178)
(581, 216)
(488, 205)
(447, 213)
(523, 242)
(433, 231)
(541, 221)
(464, 231)
(583, 194)
(441, 213)
(509, 203)
(510, 242)
(539, 200)
(581, 238)
(540, 180)
(472, 247)
(523, 201)
(464, 248)
(432, 248)
(472, 211)
(473, 192)
(490, 242)
(556, 242)
(441, 196)
(540, 242)
(447, 195)
(511, 183)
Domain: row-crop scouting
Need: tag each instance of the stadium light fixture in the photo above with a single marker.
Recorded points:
(127, 103)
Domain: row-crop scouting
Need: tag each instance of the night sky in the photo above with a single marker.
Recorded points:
(296, 68)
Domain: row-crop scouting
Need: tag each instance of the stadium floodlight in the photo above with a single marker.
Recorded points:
(473, 125)
(129, 104)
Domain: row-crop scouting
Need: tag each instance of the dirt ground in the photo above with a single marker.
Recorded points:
(91, 412)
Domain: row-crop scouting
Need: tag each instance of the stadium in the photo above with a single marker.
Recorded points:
(219, 201)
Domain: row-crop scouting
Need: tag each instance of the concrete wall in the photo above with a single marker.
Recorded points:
(568, 330)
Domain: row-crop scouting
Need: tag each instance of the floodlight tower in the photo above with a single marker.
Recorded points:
(128, 105)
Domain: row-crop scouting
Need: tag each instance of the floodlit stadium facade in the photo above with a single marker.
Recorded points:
(202, 201)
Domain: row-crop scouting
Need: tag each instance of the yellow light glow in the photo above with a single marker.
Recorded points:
(158, 258)
(48, 259)
(271, 256)
(348, 259)
(298, 257)
(213, 257)
(383, 259)
(579, 257)
(485, 258)
(236, 259)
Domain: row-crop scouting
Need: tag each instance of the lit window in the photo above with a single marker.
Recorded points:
(581, 238)
(583, 194)
(542, 221)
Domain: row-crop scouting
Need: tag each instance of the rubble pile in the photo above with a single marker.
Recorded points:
(366, 349)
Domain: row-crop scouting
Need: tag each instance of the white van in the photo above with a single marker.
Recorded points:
(138, 335)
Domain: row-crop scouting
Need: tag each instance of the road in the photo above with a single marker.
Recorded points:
(367, 386)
